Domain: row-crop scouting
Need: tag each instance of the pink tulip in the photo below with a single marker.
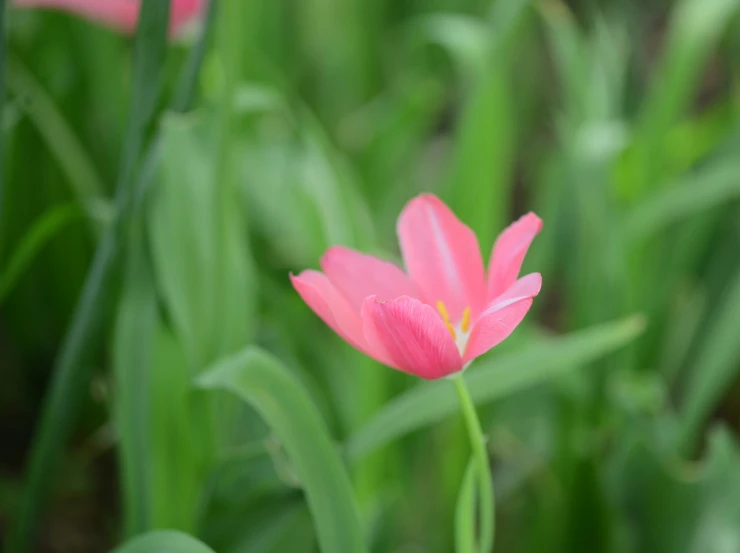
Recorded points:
(119, 14)
(433, 321)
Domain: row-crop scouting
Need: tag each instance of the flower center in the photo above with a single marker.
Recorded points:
(460, 331)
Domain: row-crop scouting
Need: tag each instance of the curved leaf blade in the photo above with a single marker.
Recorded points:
(46, 227)
(164, 541)
(680, 200)
(263, 382)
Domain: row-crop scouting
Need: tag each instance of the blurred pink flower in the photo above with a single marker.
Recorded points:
(119, 14)
(444, 313)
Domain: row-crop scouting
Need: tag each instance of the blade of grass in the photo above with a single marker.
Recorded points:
(231, 43)
(269, 387)
(133, 345)
(479, 185)
(188, 83)
(151, 403)
(716, 365)
(70, 372)
(161, 541)
(708, 187)
(177, 452)
(431, 402)
(181, 101)
(42, 230)
(695, 29)
(73, 159)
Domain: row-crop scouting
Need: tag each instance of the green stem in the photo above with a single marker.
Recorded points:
(465, 512)
(480, 457)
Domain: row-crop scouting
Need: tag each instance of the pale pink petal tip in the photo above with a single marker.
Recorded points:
(442, 256)
(411, 336)
(509, 251)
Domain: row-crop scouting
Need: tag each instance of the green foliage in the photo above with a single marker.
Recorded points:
(72, 367)
(164, 541)
(261, 381)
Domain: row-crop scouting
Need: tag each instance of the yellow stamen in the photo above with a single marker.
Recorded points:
(446, 318)
(465, 325)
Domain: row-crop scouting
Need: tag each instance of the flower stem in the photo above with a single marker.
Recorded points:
(480, 456)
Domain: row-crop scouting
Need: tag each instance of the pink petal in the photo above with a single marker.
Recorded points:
(326, 301)
(183, 11)
(411, 336)
(508, 253)
(119, 14)
(442, 256)
(358, 276)
(502, 316)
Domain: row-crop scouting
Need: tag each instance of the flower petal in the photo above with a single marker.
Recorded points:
(442, 256)
(508, 253)
(411, 336)
(502, 316)
(326, 301)
(183, 11)
(358, 276)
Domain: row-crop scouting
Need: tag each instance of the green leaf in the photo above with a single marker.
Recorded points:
(164, 541)
(466, 39)
(492, 379)
(180, 428)
(264, 383)
(716, 365)
(60, 138)
(674, 506)
(706, 188)
(133, 346)
(210, 301)
(479, 187)
(299, 190)
(42, 230)
(695, 29)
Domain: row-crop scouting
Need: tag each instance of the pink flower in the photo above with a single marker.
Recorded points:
(445, 312)
(119, 14)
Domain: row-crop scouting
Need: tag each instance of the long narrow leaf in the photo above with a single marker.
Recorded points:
(694, 31)
(263, 382)
(715, 367)
(164, 541)
(132, 362)
(74, 161)
(702, 190)
(43, 230)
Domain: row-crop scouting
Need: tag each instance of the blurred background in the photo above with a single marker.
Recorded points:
(612, 412)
